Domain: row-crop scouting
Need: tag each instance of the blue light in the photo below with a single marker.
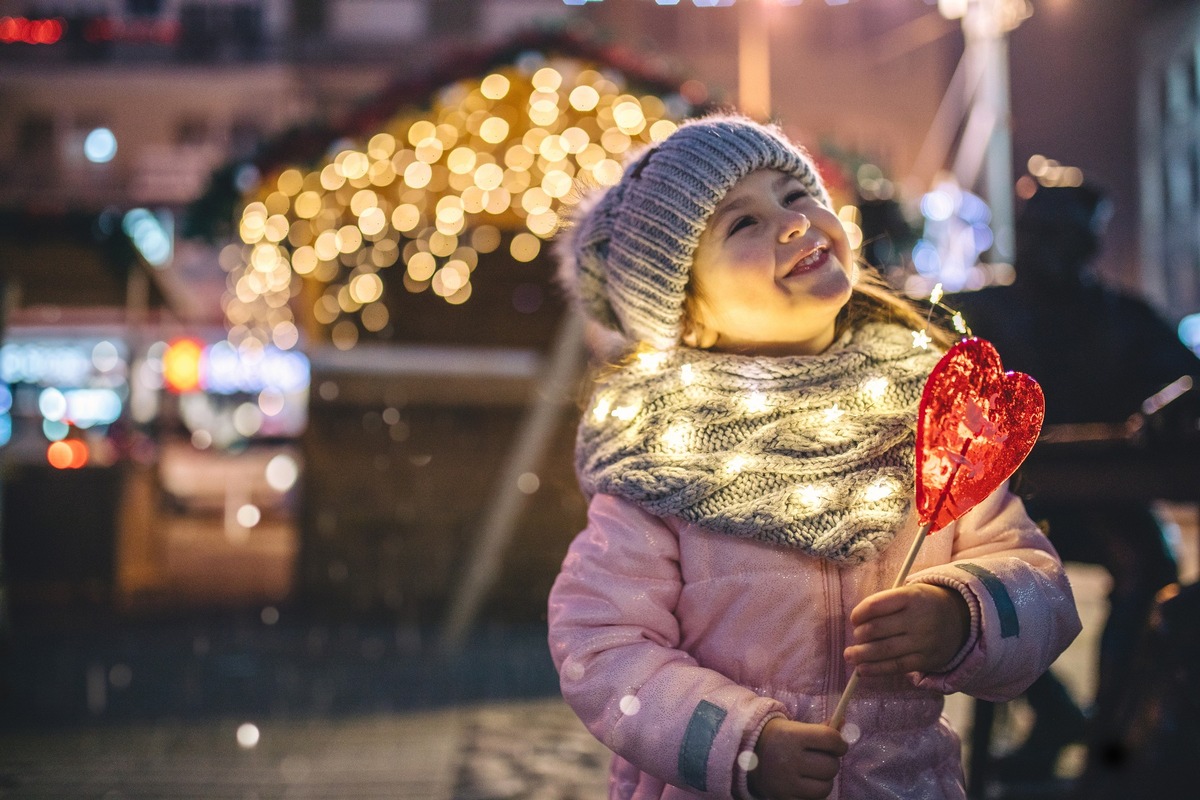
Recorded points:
(149, 235)
(983, 237)
(54, 430)
(100, 146)
(1189, 332)
(925, 258)
(5, 399)
(937, 205)
(5, 429)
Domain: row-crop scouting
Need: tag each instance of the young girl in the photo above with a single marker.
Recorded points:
(750, 474)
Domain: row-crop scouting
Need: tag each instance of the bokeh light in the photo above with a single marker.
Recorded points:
(492, 166)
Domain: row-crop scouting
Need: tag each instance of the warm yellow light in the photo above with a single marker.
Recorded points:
(422, 266)
(366, 288)
(381, 146)
(553, 148)
(326, 245)
(362, 200)
(756, 403)
(417, 174)
(675, 439)
(494, 86)
(546, 79)
(449, 209)
(810, 497)
(354, 164)
(304, 260)
(494, 130)
(607, 172)
(854, 235)
(518, 157)
(374, 317)
(879, 490)
(590, 156)
(372, 221)
(615, 141)
(406, 217)
(488, 176)
(290, 181)
(525, 247)
(485, 238)
(833, 414)
(556, 183)
(276, 228)
(442, 244)
(263, 257)
(421, 130)
(543, 112)
(308, 205)
(461, 160)
(349, 239)
(430, 150)
(737, 463)
(584, 98)
(498, 201)
(332, 178)
(344, 335)
(629, 117)
(535, 201)
(626, 412)
(474, 199)
(662, 129)
(543, 224)
(874, 388)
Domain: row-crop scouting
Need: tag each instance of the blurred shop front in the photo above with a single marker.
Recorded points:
(144, 472)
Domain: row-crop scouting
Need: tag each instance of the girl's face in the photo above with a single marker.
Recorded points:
(772, 270)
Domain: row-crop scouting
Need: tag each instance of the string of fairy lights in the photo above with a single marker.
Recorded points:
(493, 163)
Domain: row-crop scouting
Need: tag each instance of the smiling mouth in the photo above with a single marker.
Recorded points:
(813, 260)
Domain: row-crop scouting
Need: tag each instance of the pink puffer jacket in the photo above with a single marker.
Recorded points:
(675, 645)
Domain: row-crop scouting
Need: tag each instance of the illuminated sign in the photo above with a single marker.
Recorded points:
(20, 30)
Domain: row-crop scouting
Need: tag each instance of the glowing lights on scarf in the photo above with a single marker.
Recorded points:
(678, 436)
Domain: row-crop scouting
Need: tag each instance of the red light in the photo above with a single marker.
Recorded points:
(67, 454)
(15, 30)
(79, 453)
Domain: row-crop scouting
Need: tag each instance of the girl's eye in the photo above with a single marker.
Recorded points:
(792, 197)
(739, 223)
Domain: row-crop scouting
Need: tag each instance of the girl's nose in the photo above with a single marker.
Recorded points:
(795, 224)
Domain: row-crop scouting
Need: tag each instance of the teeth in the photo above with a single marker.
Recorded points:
(811, 258)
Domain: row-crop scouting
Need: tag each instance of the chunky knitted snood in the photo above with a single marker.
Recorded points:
(811, 452)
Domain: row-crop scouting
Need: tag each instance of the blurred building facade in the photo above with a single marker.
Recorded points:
(129, 107)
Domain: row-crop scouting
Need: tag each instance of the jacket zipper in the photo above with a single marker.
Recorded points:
(833, 674)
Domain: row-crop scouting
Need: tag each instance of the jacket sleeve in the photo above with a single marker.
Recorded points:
(1023, 613)
(615, 641)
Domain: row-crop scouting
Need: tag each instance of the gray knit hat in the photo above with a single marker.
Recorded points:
(629, 254)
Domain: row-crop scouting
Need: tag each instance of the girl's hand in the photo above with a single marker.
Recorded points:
(795, 760)
(915, 628)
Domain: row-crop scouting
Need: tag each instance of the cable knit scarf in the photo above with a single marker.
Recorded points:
(811, 452)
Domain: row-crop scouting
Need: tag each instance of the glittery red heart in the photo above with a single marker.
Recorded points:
(975, 426)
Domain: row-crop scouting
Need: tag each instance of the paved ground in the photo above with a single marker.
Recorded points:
(231, 706)
(523, 750)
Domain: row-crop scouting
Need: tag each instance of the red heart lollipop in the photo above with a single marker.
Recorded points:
(975, 426)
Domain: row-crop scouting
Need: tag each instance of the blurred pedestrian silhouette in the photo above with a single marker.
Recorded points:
(1098, 354)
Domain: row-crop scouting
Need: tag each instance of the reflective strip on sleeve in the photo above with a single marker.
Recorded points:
(697, 742)
(1005, 610)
